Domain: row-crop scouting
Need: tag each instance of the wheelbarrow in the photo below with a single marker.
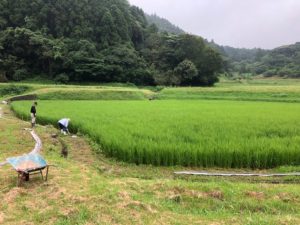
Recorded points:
(28, 165)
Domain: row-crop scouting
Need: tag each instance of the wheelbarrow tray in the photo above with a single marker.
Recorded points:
(28, 164)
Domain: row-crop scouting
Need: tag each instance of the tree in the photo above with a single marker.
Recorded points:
(97, 40)
(108, 31)
(175, 49)
(120, 23)
(186, 71)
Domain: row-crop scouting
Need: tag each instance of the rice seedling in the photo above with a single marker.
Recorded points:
(228, 134)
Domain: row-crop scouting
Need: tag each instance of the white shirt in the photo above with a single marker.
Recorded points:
(64, 122)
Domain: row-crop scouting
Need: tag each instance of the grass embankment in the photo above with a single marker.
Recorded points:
(75, 92)
(228, 134)
(274, 90)
(247, 92)
(96, 94)
(90, 189)
(11, 90)
(278, 90)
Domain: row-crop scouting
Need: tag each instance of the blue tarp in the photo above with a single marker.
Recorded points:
(27, 162)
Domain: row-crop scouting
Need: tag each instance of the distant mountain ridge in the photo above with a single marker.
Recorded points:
(281, 61)
(163, 25)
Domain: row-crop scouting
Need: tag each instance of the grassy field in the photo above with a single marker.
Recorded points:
(278, 90)
(91, 189)
(228, 134)
(260, 93)
(73, 92)
(274, 90)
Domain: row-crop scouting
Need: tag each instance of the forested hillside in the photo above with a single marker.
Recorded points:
(98, 41)
(283, 61)
(163, 25)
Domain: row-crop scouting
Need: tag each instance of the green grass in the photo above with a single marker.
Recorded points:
(189, 133)
(275, 90)
(271, 90)
(93, 95)
(10, 90)
(268, 93)
(91, 189)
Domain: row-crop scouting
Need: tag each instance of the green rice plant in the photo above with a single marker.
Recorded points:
(228, 134)
(282, 93)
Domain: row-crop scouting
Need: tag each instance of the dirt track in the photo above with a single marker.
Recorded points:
(38, 143)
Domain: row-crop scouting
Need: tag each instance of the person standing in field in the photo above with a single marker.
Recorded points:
(63, 125)
(33, 114)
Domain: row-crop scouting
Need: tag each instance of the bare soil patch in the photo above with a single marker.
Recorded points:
(1, 218)
(11, 196)
(256, 195)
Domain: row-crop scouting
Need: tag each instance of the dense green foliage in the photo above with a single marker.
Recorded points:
(189, 133)
(163, 25)
(95, 41)
(6, 90)
(283, 61)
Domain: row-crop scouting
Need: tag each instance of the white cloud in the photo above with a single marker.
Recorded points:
(238, 23)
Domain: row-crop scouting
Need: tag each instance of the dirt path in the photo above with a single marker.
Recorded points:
(38, 143)
(65, 182)
(1, 163)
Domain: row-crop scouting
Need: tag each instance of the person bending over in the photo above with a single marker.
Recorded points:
(63, 125)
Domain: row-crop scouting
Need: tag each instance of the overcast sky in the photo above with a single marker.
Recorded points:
(237, 23)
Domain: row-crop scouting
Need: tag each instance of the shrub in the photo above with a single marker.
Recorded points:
(62, 78)
(270, 73)
(286, 72)
(20, 74)
(3, 77)
(13, 90)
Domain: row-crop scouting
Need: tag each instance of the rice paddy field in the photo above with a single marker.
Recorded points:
(251, 124)
(88, 188)
(279, 90)
(202, 133)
